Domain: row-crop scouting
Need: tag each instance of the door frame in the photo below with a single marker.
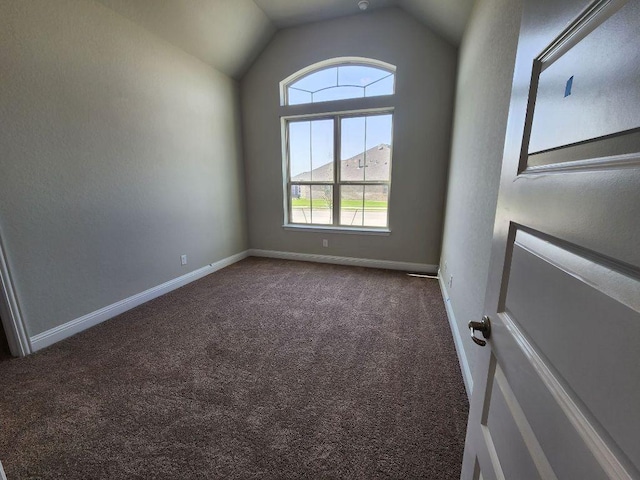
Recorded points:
(10, 313)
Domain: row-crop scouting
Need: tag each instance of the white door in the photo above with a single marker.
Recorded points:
(558, 394)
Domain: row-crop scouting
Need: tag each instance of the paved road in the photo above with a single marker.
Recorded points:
(348, 216)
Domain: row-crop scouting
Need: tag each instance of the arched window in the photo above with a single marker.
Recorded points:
(337, 163)
(339, 79)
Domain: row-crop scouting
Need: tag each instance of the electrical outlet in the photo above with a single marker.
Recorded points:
(325, 242)
(183, 259)
(450, 281)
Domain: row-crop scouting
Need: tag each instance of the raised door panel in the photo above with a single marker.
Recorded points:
(587, 86)
(572, 330)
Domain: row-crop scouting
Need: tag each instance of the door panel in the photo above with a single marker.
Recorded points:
(578, 322)
(517, 449)
(571, 444)
(586, 88)
(569, 307)
(558, 389)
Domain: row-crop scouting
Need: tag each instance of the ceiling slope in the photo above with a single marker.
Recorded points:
(290, 13)
(226, 34)
(229, 34)
(446, 17)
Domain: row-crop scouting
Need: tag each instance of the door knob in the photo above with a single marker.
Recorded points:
(484, 326)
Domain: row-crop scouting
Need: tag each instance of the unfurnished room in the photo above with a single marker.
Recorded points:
(323, 239)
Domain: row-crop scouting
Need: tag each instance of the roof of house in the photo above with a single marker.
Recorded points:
(374, 164)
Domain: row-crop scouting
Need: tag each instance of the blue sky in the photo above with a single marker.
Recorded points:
(311, 142)
(337, 83)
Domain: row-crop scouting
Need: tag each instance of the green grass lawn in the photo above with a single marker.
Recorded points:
(321, 203)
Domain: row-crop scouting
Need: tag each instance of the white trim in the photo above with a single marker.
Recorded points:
(333, 62)
(353, 231)
(627, 160)
(68, 329)
(346, 113)
(336, 182)
(457, 339)
(599, 447)
(3, 476)
(10, 312)
(357, 262)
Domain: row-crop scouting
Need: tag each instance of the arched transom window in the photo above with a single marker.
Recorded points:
(337, 162)
(324, 82)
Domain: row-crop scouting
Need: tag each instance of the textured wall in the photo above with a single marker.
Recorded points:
(226, 34)
(424, 101)
(119, 153)
(485, 74)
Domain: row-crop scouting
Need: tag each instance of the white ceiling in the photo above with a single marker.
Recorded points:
(446, 17)
(229, 34)
(289, 13)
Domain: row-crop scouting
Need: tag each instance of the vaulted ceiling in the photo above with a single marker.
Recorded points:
(229, 34)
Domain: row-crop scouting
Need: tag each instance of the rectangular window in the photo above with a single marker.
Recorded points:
(339, 170)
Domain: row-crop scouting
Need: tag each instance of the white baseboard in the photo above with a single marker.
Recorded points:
(457, 340)
(68, 329)
(358, 262)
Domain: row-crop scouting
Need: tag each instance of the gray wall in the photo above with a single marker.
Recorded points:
(424, 104)
(485, 72)
(119, 153)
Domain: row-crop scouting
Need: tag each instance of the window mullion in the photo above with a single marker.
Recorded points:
(311, 168)
(288, 156)
(337, 142)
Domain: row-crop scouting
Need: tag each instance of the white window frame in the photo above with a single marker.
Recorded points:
(337, 182)
(334, 62)
(353, 107)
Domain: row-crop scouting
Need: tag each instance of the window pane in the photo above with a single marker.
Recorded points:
(352, 149)
(378, 144)
(312, 204)
(315, 81)
(311, 151)
(322, 150)
(339, 83)
(298, 97)
(383, 87)
(338, 93)
(360, 75)
(376, 204)
(365, 153)
(300, 150)
(322, 204)
(352, 205)
(300, 204)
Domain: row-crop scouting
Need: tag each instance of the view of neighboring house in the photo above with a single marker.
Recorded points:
(371, 165)
(361, 203)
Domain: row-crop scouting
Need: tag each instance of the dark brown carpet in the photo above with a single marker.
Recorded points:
(267, 369)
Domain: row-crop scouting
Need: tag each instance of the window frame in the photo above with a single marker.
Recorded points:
(331, 63)
(336, 183)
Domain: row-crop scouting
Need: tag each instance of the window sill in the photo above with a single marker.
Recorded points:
(329, 229)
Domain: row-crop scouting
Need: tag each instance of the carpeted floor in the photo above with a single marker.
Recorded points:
(268, 369)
